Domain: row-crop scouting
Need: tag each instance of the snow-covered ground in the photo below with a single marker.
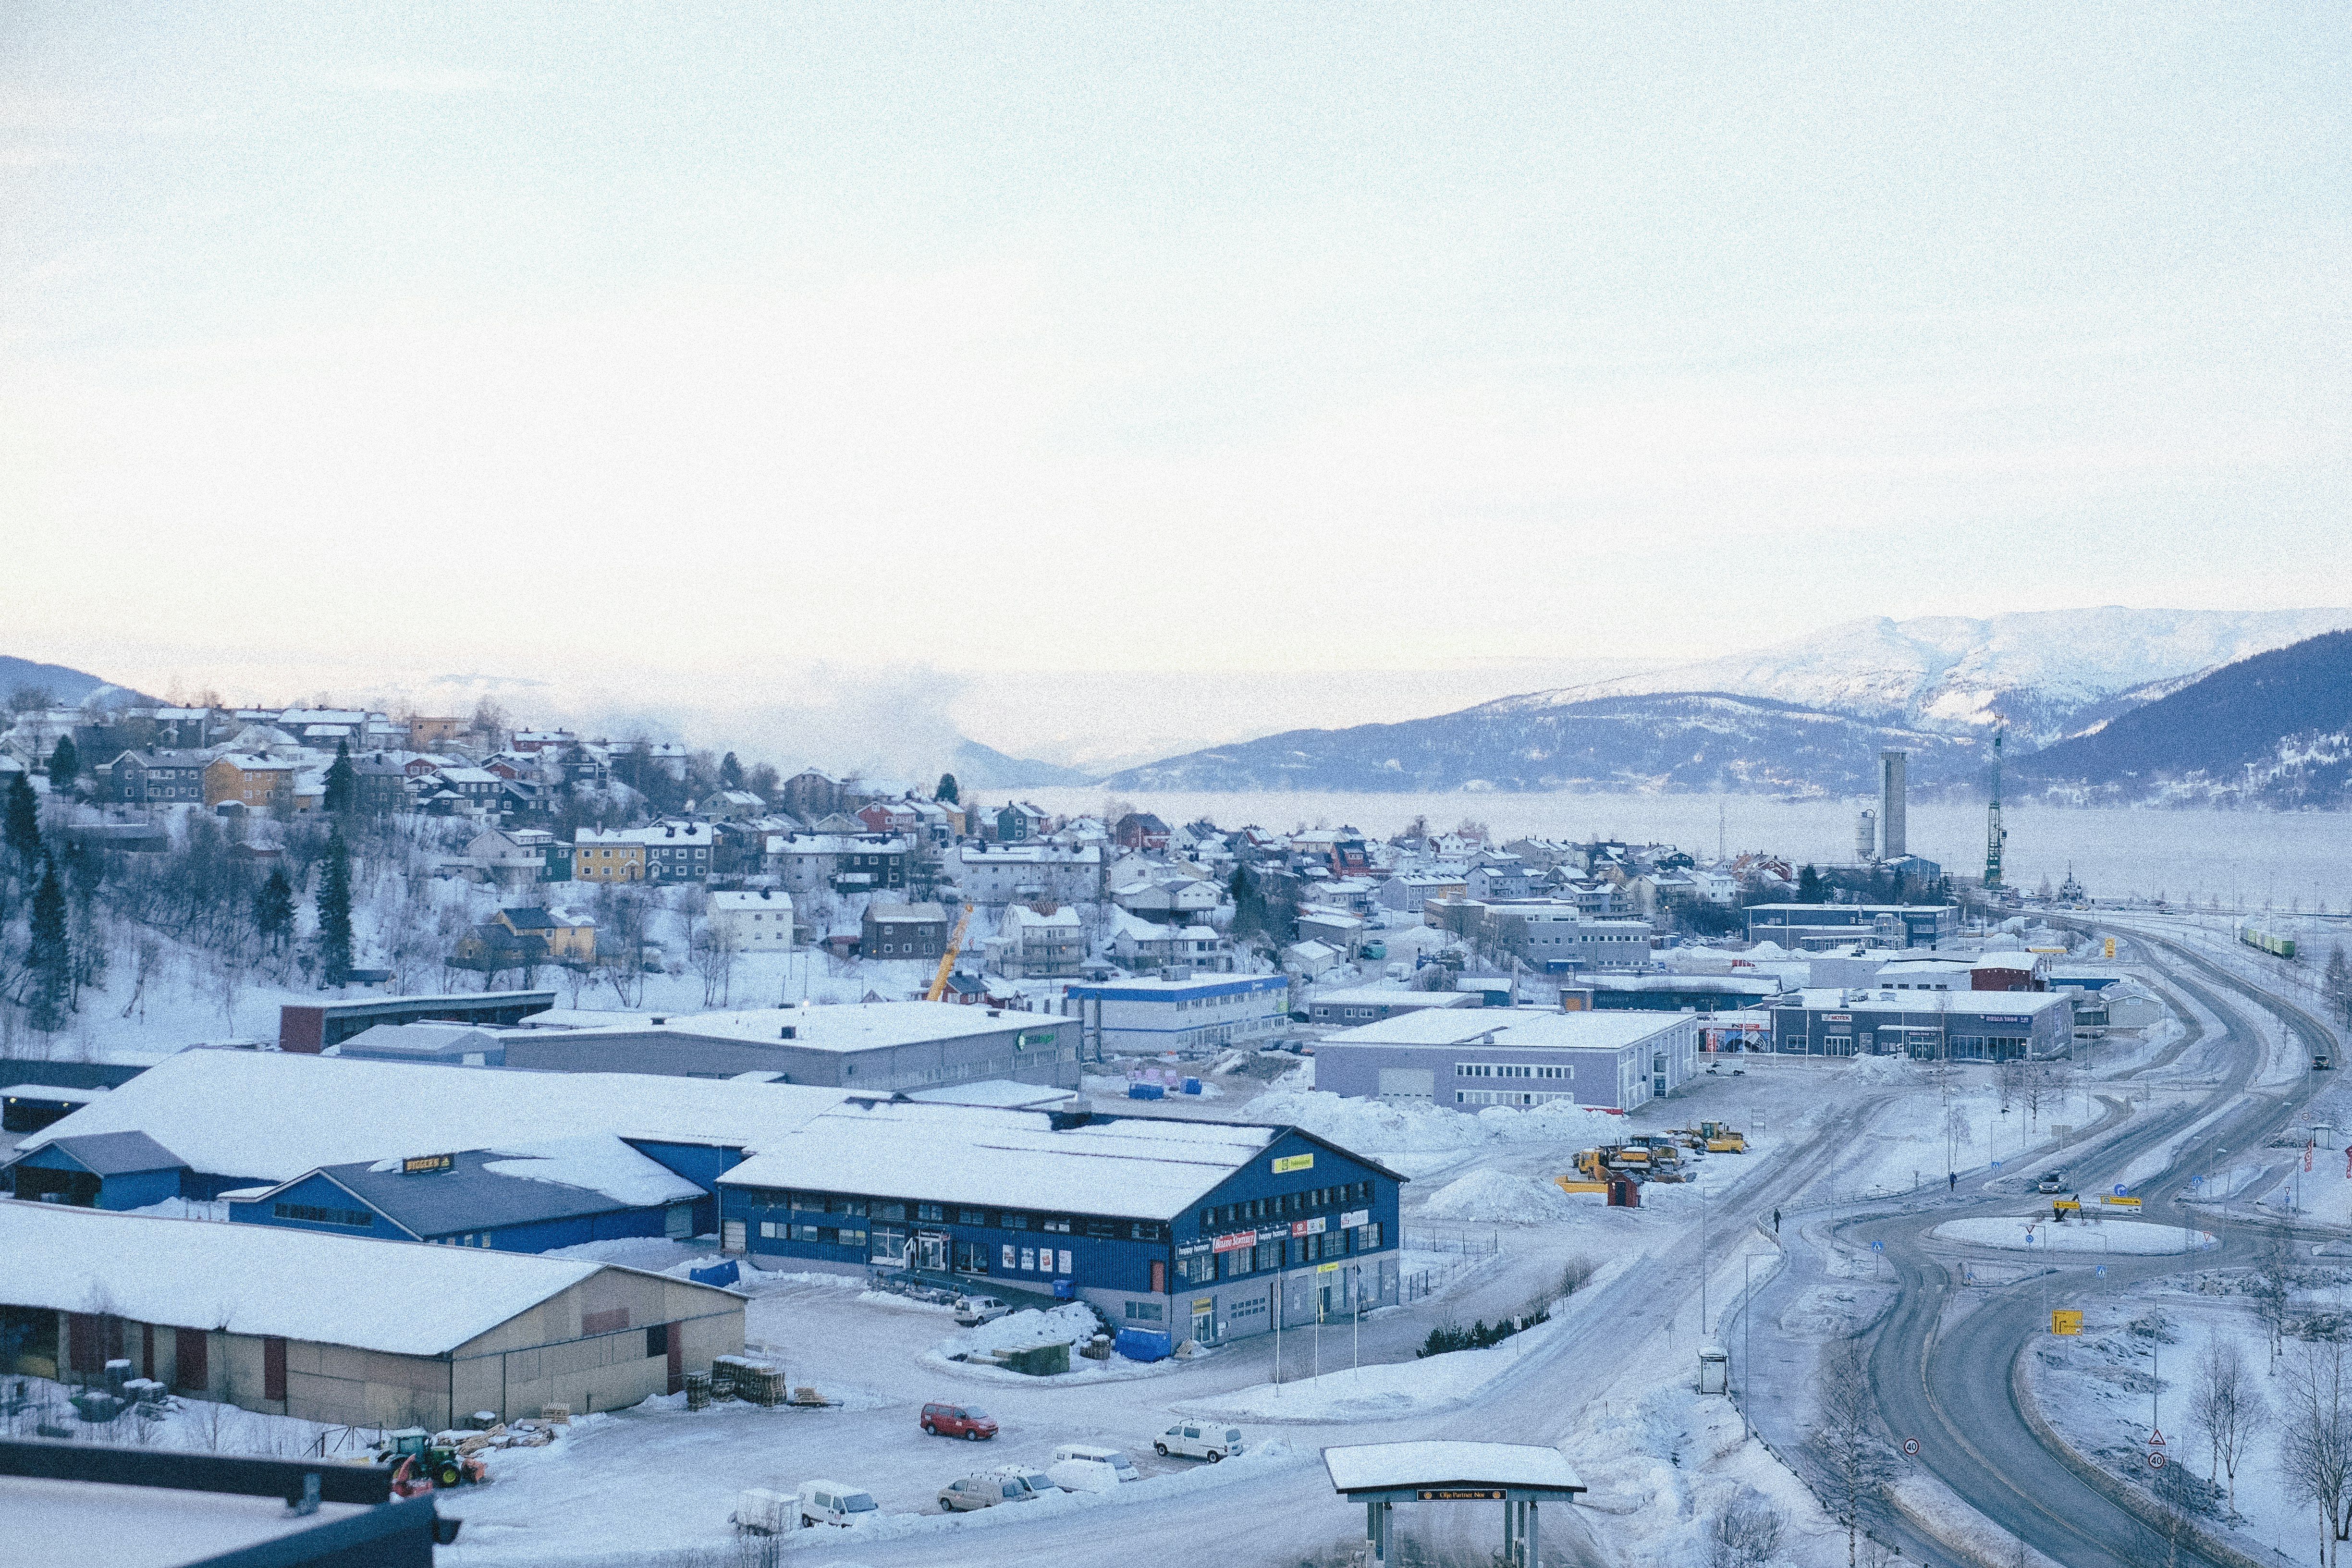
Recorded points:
(2131, 1238)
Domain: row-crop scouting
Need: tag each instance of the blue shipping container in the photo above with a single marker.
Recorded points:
(1192, 1086)
(1141, 1344)
(722, 1274)
(1146, 1091)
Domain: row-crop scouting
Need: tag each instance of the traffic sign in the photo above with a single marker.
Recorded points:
(2101, 1271)
(1911, 1446)
(2122, 1191)
(2155, 1440)
(1996, 1164)
(2065, 1321)
(2156, 1461)
(1878, 1246)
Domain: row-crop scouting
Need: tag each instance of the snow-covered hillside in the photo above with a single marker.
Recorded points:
(2044, 674)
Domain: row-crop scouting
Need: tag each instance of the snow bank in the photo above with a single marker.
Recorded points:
(1379, 1393)
(2126, 1237)
(596, 1165)
(1492, 1197)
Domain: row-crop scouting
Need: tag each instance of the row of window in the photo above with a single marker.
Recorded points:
(1266, 1256)
(1225, 1217)
(1506, 1096)
(1510, 1069)
(893, 1209)
(358, 1219)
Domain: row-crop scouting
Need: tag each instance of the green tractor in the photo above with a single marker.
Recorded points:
(424, 1462)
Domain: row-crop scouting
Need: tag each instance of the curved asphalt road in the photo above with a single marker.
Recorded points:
(1941, 1361)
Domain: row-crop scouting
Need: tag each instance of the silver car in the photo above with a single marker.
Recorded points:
(983, 1491)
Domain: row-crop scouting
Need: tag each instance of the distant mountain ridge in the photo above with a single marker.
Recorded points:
(1805, 717)
(68, 687)
(2276, 727)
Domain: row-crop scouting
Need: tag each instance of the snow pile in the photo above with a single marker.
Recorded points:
(1075, 1324)
(2124, 1237)
(1493, 1197)
(1428, 1137)
(1380, 1393)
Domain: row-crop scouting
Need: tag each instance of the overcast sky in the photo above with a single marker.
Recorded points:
(635, 344)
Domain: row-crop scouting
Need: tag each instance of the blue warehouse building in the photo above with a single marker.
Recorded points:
(100, 1169)
(529, 1199)
(1201, 1230)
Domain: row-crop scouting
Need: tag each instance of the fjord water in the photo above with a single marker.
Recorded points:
(2249, 859)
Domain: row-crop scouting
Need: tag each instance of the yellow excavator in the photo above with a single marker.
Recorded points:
(948, 960)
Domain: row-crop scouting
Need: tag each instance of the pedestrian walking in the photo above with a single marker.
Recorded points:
(1951, 1181)
(1776, 1222)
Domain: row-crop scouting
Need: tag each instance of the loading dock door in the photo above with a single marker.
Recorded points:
(1409, 1083)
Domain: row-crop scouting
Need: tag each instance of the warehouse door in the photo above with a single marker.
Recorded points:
(730, 1236)
(1409, 1084)
(190, 1374)
(273, 1369)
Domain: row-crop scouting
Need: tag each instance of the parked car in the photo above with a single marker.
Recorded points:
(958, 1421)
(2051, 1181)
(973, 1311)
(1037, 1481)
(831, 1502)
(1084, 1467)
(983, 1491)
(1198, 1441)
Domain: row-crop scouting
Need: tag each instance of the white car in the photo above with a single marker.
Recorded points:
(973, 1311)
(1037, 1481)
(1197, 1441)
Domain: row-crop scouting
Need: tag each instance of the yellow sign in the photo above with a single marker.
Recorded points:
(1290, 1162)
(2111, 947)
(425, 1165)
(2063, 1321)
(2120, 1203)
(1326, 1269)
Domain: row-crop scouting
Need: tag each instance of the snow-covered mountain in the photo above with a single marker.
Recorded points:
(2044, 674)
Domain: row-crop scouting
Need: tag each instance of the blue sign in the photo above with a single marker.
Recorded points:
(2103, 1272)
(1996, 1164)
(1878, 1246)
(2122, 1191)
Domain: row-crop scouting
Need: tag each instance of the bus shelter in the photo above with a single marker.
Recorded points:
(1519, 1475)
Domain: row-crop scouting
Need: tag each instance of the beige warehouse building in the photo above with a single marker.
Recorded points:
(343, 1330)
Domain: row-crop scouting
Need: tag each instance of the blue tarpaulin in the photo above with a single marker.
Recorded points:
(725, 1273)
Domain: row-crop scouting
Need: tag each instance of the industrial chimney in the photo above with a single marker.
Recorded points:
(1894, 789)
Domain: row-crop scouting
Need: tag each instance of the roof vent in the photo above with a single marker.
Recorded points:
(659, 1018)
(996, 1013)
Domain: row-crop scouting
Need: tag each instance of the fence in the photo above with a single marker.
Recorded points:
(1466, 1250)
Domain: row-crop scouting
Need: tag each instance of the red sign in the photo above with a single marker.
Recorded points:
(1236, 1242)
(1307, 1226)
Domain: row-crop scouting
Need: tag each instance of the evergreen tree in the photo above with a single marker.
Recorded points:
(945, 793)
(23, 825)
(343, 795)
(48, 960)
(335, 912)
(273, 909)
(1249, 913)
(1809, 886)
(65, 765)
(731, 773)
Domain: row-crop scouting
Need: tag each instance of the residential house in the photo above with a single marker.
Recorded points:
(1142, 945)
(1139, 830)
(511, 857)
(810, 795)
(1037, 942)
(996, 875)
(608, 855)
(918, 931)
(760, 921)
(677, 851)
(566, 939)
(158, 778)
(1017, 822)
(464, 791)
(889, 816)
(1169, 899)
(1497, 876)
(493, 946)
(733, 806)
(380, 785)
(431, 734)
(537, 741)
(255, 783)
(838, 862)
(1343, 932)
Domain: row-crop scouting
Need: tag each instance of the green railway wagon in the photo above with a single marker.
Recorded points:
(2277, 946)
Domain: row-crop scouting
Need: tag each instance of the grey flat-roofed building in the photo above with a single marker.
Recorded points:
(1680, 993)
(452, 1044)
(1472, 1059)
(873, 1045)
(1824, 925)
(1357, 1004)
(1959, 1025)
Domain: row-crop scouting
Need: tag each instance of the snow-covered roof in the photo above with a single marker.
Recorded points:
(1391, 996)
(489, 1189)
(764, 898)
(272, 1115)
(1142, 1169)
(1831, 998)
(49, 1091)
(1390, 1466)
(848, 1027)
(401, 1298)
(1516, 1028)
(999, 1094)
(116, 1153)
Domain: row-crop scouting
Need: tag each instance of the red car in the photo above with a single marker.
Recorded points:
(958, 1421)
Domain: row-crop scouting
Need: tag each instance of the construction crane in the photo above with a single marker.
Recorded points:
(947, 961)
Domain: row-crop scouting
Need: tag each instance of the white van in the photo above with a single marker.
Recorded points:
(1084, 1467)
(1198, 1440)
(831, 1502)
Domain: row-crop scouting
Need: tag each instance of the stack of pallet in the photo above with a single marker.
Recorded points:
(741, 1377)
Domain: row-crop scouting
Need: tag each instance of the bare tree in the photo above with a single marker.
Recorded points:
(711, 950)
(2272, 1289)
(1745, 1535)
(1845, 1436)
(2316, 1439)
(2227, 1406)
